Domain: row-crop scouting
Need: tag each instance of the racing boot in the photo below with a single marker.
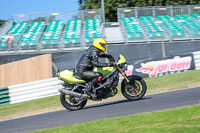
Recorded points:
(93, 84)
(90, 90)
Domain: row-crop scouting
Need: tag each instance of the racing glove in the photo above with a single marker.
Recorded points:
(111, 64)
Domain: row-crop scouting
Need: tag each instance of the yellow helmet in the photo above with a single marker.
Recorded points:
(100, 43)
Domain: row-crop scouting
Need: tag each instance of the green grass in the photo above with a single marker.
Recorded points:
(180, 120)
(157, 84)
(29, 106)
(174, 81)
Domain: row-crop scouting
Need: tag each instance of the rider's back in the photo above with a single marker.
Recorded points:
(85, 62)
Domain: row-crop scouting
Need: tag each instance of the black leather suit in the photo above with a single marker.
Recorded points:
(88, 61)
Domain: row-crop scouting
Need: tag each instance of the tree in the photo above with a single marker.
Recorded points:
(50, 18)
(112, 5)
(2, 22)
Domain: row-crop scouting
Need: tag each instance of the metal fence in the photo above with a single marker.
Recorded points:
(144, 34)
(79, 42)
(157, 10)
(151, 22)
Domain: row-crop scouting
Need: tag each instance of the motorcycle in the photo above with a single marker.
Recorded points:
(73, 93)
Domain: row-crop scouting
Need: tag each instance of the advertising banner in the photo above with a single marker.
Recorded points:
(128, 72)
(159, 67)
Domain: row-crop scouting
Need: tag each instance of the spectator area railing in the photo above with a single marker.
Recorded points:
(6, 26)
(76, 30)
(169, 23)
(53, 31)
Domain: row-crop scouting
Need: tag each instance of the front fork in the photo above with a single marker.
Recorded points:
(134, 88)
(123, 74)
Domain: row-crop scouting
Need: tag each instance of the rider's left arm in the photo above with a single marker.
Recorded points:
(110, 57)
(105, 55)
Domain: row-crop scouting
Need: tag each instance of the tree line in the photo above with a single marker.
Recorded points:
(2, 22)
(112, 5)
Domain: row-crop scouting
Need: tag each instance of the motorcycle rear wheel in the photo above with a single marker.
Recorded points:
(135, 89)
(68, 102)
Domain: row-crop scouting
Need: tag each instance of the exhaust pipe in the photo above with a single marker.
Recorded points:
(72, 93)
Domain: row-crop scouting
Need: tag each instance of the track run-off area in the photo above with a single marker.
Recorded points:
(149, 103)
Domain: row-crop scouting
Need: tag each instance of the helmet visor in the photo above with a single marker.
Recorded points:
(103, 44)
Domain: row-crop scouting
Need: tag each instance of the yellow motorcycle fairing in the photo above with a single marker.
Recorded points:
(103, 70)
(68, 76)
(121, 60)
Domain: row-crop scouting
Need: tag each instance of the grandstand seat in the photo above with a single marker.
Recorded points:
(193, 26)
(163, 17)
(174, 28)
(197, 16)
(32, 34)
(182, 16)
(146, 18)
(153, 29)
(17, 30)
(128, 19)
(52, 33)
(132, 27)
(92, 29)
(72, 32)
(3, 42)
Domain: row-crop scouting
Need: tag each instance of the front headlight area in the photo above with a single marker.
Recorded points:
(123, 66)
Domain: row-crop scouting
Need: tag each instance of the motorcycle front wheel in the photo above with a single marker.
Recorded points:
(72, 103)
(135, 89)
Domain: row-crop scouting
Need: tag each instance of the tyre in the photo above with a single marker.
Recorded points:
(72, 103)
(135, 89)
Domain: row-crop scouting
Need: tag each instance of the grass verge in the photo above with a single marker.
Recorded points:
(180, 120)
(154, 85)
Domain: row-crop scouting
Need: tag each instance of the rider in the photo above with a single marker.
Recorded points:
(89, 60)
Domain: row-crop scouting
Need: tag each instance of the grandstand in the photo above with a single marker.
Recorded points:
(168, 23)
(141, 24)
(53, 34)
(72, 32)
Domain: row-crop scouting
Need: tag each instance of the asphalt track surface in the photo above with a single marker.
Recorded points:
(105, 110)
